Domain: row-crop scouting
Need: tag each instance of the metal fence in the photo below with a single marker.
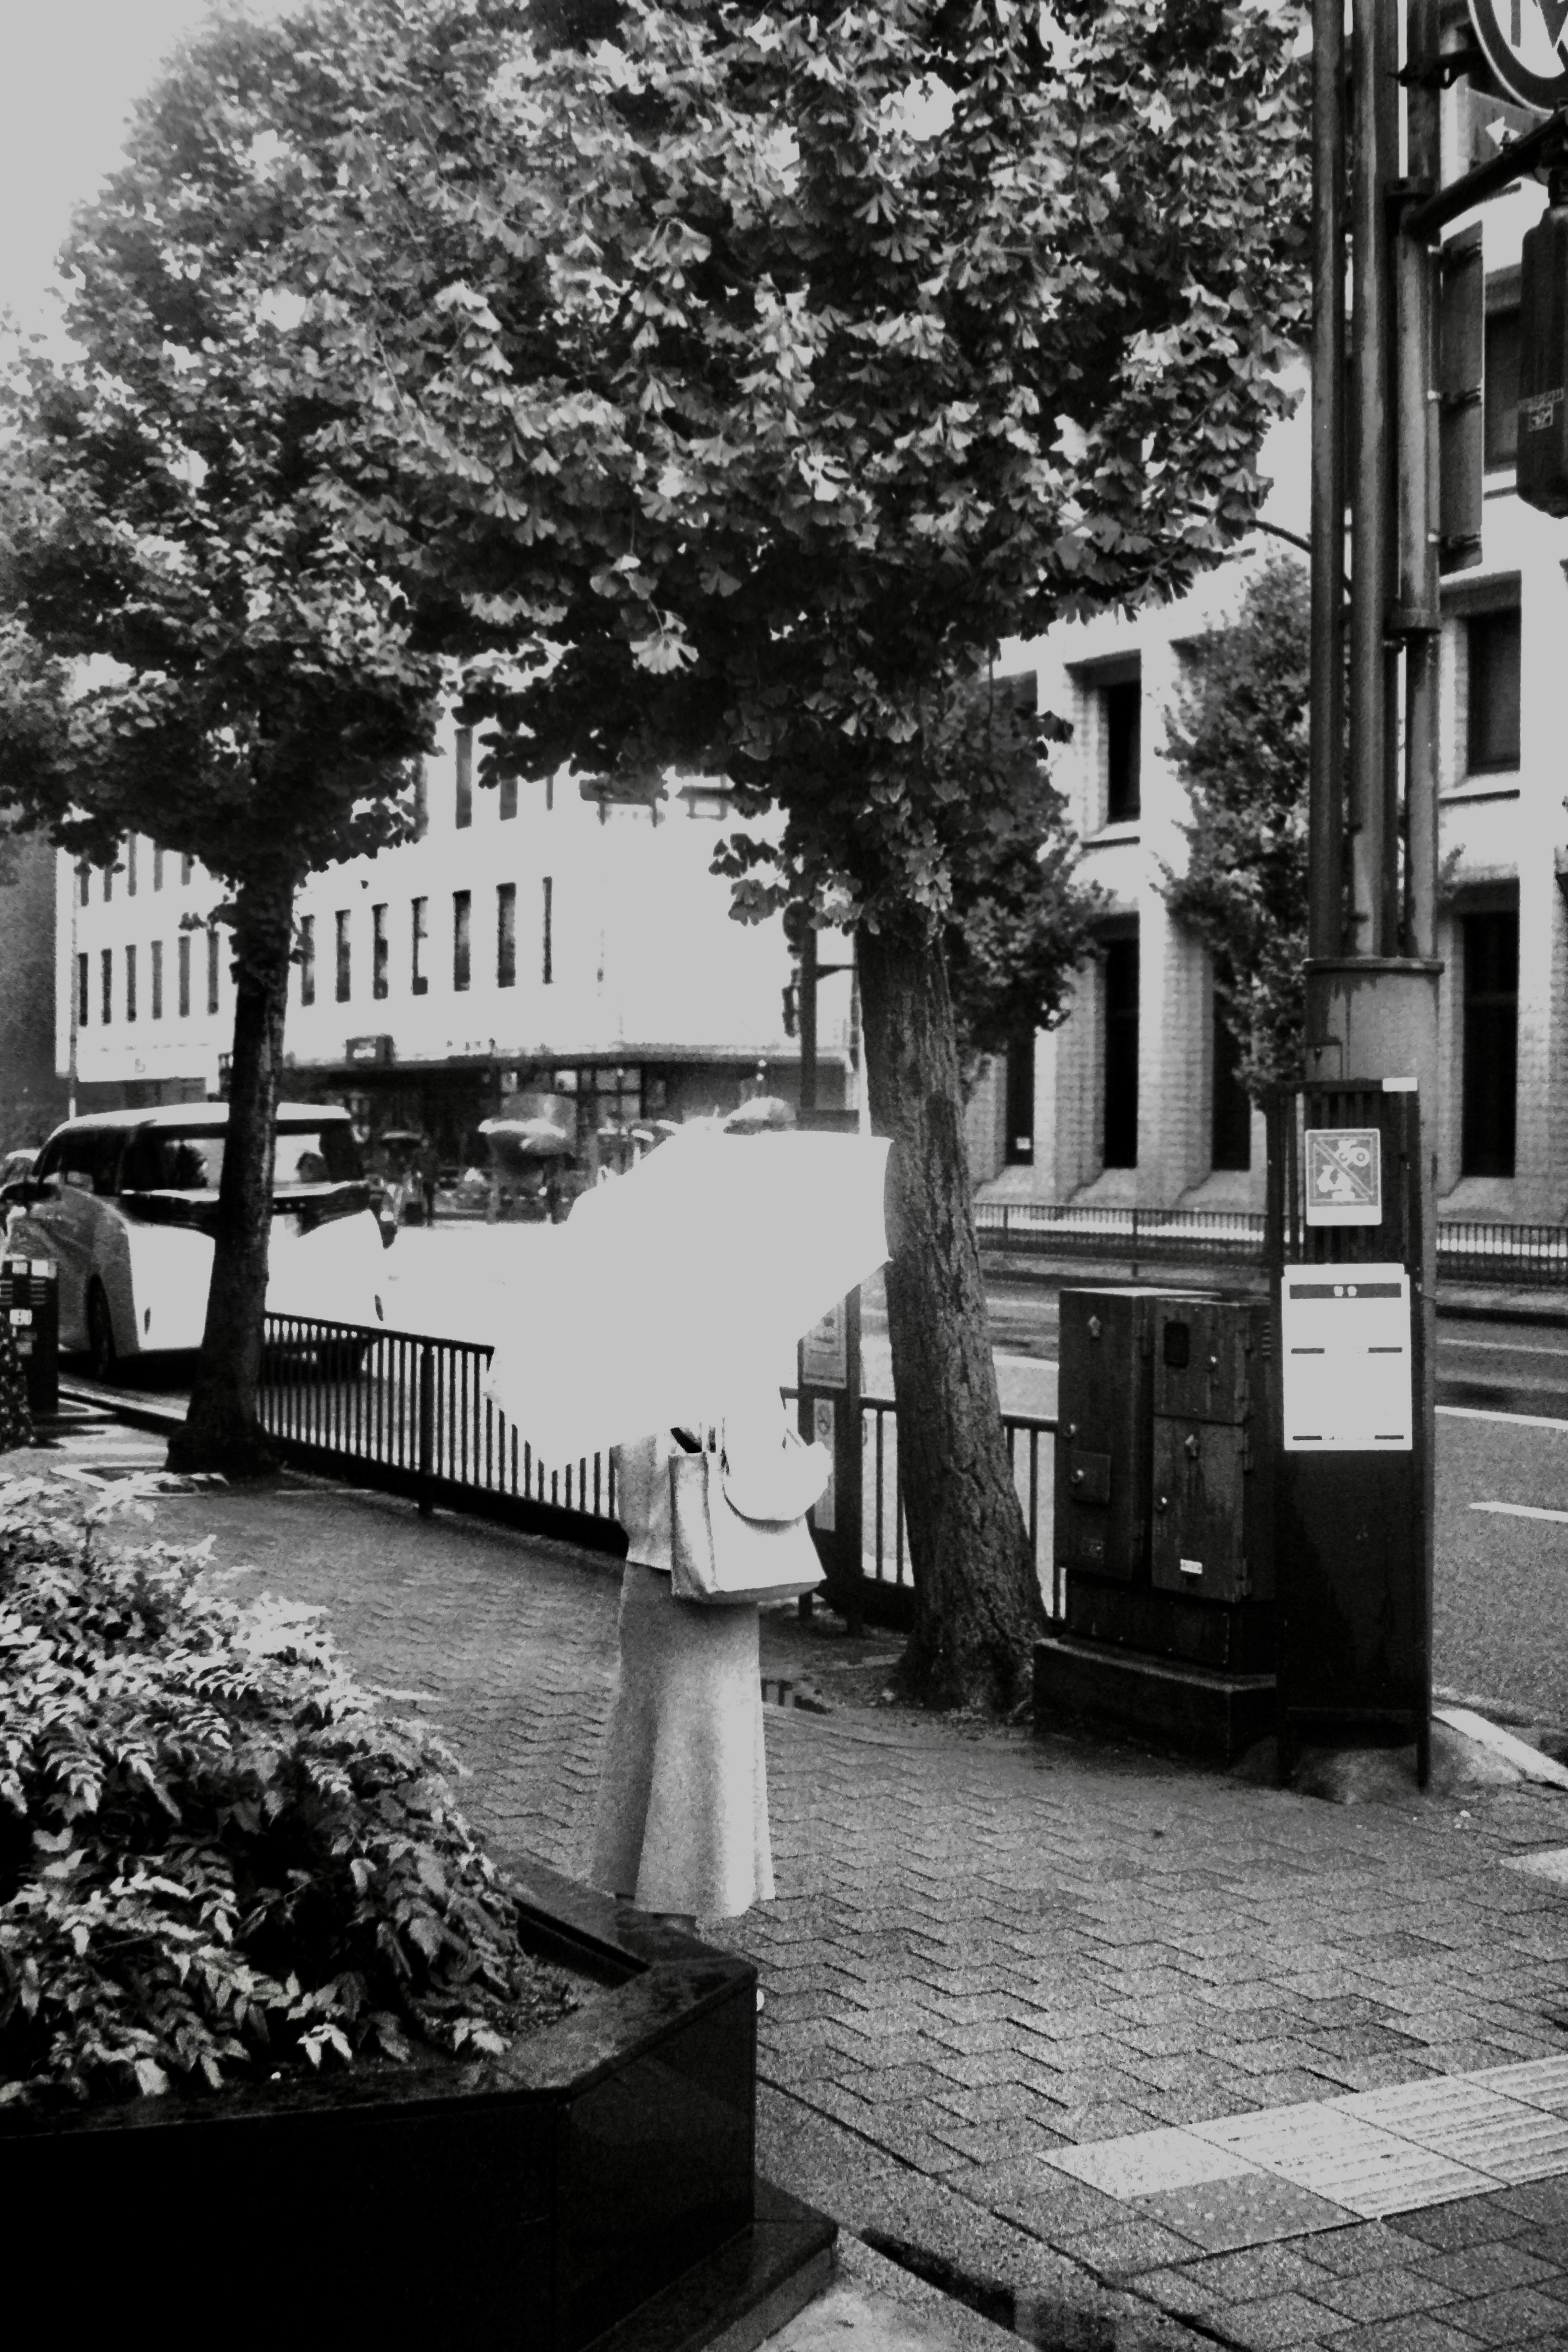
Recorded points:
(1528, 1257)
(402, 1412)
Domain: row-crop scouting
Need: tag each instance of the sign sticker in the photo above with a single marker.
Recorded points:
(1525, 43)
(1344, 1176)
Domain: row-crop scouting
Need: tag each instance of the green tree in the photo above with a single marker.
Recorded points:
(1020, 924)
(1237, 739)
(752, 375)
(728, 383)
(192, 648)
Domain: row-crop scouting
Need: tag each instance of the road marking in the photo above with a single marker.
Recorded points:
(1523, 1511)
(1481, 1413)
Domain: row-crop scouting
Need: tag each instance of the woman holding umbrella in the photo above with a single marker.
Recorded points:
(678, 1288)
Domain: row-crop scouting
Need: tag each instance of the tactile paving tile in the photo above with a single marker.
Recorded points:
(1538, 2082)
(1471, 2122)
(1351, 2163)
(1143, 2162)
(1547, 1862)
(1251, 2208)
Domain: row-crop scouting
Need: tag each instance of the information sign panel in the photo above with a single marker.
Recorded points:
(1525, 43)
(1343, 1176)
(1347, 1385)
(825, 1351)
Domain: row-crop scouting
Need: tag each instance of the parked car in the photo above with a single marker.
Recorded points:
(126, 1203)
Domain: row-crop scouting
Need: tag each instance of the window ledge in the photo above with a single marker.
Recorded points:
(1503, 785)
(1124, 829)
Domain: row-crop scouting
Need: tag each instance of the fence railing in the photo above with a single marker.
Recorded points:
(1531, 1257)
(408, 1413)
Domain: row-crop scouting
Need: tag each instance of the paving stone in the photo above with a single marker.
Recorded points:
(1248, 2210)
(1278, 2320)
(1483, 2269)
(1506, 2318)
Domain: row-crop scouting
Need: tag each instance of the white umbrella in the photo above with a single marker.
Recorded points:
(669, 1285)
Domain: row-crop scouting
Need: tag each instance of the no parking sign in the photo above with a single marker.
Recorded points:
(1343, 1171)
(1526, 44)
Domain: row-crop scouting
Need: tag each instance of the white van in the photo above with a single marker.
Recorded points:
(126, 1202)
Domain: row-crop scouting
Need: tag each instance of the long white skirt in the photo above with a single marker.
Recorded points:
(682, 1820)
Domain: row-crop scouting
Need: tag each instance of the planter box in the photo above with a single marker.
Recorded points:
(536, 2200)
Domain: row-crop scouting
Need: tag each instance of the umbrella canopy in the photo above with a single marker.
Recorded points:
(530, 1138)
(671, 1284)
(760, 1113)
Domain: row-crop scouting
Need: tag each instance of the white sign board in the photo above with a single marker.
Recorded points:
(825, 1351)
(1346, 1382)
(1343, 1176)
(1525, 43)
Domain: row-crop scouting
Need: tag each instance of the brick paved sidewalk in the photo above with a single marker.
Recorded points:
(1014, 1988)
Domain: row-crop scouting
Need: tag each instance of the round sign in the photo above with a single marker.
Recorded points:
(1526, 44)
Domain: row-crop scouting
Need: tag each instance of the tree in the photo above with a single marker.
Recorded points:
(193, 647)
(728, 383)
(1238, 739)
(1020, 924)
(749, 376)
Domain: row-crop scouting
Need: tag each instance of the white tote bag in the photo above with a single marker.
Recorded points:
(740, 1540)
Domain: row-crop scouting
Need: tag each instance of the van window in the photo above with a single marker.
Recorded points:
(90, 1153)
(172, 1160)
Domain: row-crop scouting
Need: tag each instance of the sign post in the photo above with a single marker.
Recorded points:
(830, 1380)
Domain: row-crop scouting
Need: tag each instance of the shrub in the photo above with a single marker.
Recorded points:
(219, 1860)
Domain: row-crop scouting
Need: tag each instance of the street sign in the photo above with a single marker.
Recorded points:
(1525, 43)
(1343, 1176)
(1346, 1332)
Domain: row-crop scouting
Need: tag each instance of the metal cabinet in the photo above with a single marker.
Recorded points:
(1212, 1481)
(1105, 1430)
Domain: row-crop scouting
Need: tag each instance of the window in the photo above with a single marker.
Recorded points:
(507, 797)
(1020, 1100)
(421, 911)
(157, 868)
(345, 973)
(131, 984)
(421, 802)
(506, 935)
(464, 806)
(547, 957)
(1490, 1043)
(307, 959)
(1501, 428)
(108, 884)
(378, 951)
(106, 985)
(462, 937)
(156, 952)
(91, 1157)
(212, 968)
(187, 866)
(83, 990)
(1230, 1107)
(184, 966)
(1120, 1001)
(1121, 728)
(1492, 645)
(83, 877)
(130, 865)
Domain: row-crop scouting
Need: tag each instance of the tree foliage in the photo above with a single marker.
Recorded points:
(1238, 740)
(220, 1860)
(1020, 924)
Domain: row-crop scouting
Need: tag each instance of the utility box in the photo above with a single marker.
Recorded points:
(30, 1302)
(1212, 1516)
(1104, 1433)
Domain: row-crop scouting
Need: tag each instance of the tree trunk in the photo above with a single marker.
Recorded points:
(977, 1600)
(222, 1430)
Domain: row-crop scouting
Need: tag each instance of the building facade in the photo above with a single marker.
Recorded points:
(532, 937)
(1134, 1098)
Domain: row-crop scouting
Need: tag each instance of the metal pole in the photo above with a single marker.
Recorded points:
(1417, 359)
(1326, 804)
(1375, 35)
(808, 1017)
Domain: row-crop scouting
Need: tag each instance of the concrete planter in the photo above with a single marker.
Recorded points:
(594, 2186)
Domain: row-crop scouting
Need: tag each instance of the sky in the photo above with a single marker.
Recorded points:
(69, 72)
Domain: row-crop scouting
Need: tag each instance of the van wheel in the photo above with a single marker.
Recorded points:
(101, 1348)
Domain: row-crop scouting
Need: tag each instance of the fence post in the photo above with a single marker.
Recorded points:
(426, 1428)
(1134, 1242)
